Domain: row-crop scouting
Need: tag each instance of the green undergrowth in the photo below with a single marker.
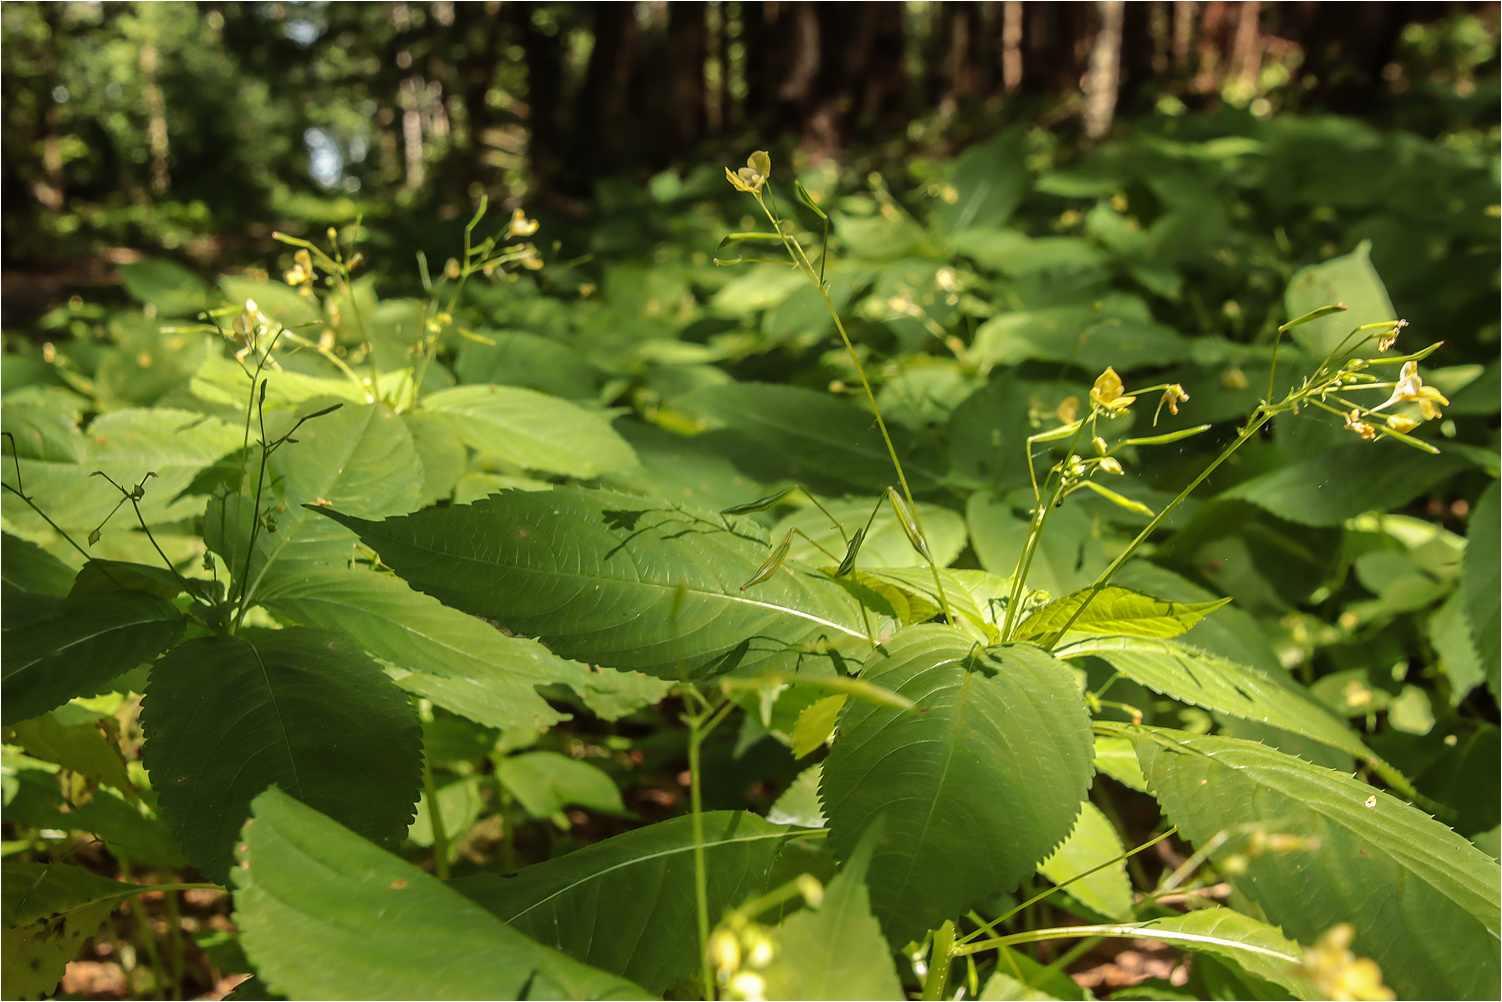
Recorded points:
(833, 592)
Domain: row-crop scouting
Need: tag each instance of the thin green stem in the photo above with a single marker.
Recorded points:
(1259, 418)
(939, 959)
(800, 260)
(701, 875)
(435, 820)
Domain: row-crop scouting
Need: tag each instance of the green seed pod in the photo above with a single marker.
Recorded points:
(779, 554)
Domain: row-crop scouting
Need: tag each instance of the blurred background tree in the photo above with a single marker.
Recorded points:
(195, 129)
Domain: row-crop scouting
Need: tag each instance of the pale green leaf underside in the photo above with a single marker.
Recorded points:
(1093, 842)
(613, 579)
(533, 430)
(1118, 611)
(976, 787)
(1480, 583)
(1425, 902)
(1203, 679)
(626, 904)
(325, 914)
(226, 717)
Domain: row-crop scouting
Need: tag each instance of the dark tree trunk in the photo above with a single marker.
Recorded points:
(686, 50)
(544, 57)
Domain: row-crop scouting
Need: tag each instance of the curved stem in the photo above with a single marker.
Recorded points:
(800, 260)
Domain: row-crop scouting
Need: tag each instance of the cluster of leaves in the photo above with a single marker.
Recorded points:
(316, 505)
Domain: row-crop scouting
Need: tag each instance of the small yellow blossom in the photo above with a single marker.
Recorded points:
(1360, 427)
(1172, 396)
(1107, 392)
(301, 272)
(751, 177)
(1391, 337)
(1068, 410)
(520, 225)
(1338, 973)
(1111, 465)
(1400, 423)
(1411, 389)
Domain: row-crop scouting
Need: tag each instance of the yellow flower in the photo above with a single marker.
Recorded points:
(1338, 973)
(1107, 392)
(301, 272)
(1391, 337)
(1401, 423)
(751, 177)
(1411, 389)
(1068, 410)
(1360, 427)
(520, 225)
(1172, 395)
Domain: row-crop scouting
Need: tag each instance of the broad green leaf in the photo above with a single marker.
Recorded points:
(546, 782)
(442, 454)
(1425, 902)
(325, 914)
(986, 182)
(417, 632)
(1114, 610)
(1451, 636)
(532, 430)
(1349, 480)
(598, 575)
(886, 545)
(359, 458)
(1091, 337)
(515, 358)
(228, 716)
(172, 289)
(835, 950)
(49, 912)
(1479, 582)
(603, 903)
(1115, 757)
(976, 787)
(821, 441)
(126, 445)
(88, 641)
(1201, 679)
(1351, 280)
(1093, 842)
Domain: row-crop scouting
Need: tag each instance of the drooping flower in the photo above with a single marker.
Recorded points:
(1108, 390)
(1360, 427)
(751, 177)
(1411, 389)
(520, 225)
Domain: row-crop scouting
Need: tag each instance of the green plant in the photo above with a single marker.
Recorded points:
(323, 557)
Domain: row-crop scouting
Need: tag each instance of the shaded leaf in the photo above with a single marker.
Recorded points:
(325, 914)
(546, 782)
(976, 786)
(227, 716)
(603, 903)
(488, 672)
(1094, 841)
(88, 641)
